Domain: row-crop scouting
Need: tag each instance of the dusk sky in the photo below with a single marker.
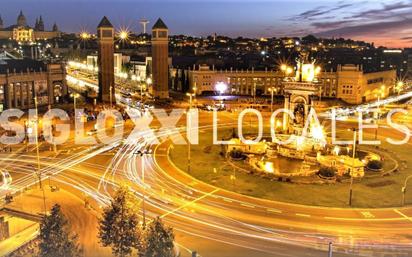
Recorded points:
(385, 22)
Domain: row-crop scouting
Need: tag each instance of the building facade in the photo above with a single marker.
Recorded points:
(349, 83)
(23, 80)
(22, 32)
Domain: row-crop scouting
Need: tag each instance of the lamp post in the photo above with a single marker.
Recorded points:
(75, 96)
(194, 92)
(272, 91)
(142, 154)
(111, 97)
(404, 189)
(378, 115)
(189, 128)
(254, 93)
(36, 133)
(351, 173)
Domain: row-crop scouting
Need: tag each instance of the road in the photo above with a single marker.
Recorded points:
(210, 220)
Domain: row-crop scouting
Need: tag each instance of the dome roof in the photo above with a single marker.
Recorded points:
(21, 20)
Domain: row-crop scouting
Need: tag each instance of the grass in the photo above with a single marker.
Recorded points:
(377, 192)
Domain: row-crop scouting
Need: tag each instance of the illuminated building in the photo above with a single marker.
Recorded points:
(22, 80)
(22, 32)
(349, 83)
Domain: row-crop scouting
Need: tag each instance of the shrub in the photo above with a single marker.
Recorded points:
(375, 165)
(327, 172)
(236, 154)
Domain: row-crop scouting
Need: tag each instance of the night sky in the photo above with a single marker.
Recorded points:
(385, 22)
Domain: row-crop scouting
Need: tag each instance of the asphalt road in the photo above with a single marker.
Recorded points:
(209, 220)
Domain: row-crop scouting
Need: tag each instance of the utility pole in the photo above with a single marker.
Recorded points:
(330, 251)
(254, 93)
(142, 155)
(404, 189)
(111, 100)
(36, 133)
(189, 128)
(351, 173)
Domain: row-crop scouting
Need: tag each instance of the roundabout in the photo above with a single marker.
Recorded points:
(349, 228)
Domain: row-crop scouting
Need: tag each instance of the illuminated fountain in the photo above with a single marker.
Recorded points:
(298, 94)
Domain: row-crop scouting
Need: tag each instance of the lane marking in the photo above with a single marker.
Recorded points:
(303, 215)
(247, 205)
(367, 215)
(189, 203)
(274, 210)
(227, 200)
(402, 214)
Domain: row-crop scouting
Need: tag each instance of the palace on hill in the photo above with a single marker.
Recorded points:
(24, 33)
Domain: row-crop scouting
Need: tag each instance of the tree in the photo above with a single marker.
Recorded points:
(158, 240)
(55, 237)
(119, 226)
(375, 165)
(327, 172)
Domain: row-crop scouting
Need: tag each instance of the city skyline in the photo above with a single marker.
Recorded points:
(382, 22)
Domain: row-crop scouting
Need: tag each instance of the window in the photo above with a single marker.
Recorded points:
(162, 34)
(107, 33)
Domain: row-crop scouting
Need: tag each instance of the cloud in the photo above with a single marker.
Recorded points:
(386, 21)
(370, 29)
(319, 11)
(387, 10)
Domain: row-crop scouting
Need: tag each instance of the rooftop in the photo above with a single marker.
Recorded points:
(105, 23)
(159, 25)
(23, 65)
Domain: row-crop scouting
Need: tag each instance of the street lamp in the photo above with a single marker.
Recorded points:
(399, 86)
(353, 166)
(111, 100)
(378, 115)
(221, 87)
(195, 91)
(75, 96)
(404, 189)
(336, 150)
(36, 133)
(272, 90)
(254, 93)
(189, 128)
(142, 154)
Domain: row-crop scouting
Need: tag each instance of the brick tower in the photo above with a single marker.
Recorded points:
(160, 58)
(105, 34)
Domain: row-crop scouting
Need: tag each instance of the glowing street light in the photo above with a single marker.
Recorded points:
(85, 35)
(336, 150)
(124, 34)
(399, 86)
(74, 96)
(269, 167)
(289, 70)
(318, 133)
(221, 87)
